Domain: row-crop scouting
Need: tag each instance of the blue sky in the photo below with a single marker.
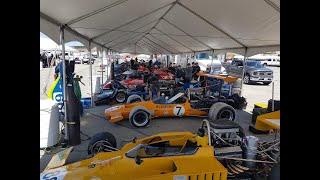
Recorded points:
(71, 43)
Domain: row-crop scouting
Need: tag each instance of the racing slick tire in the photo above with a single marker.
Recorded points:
(139, 118)
(134, 98)
(221, 110)
(120, 97)
(100, 142)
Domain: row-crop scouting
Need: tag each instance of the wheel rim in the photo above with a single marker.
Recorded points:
(101, 146)
(121, 97)
(226, 114)
(246, 79)
(140, 119)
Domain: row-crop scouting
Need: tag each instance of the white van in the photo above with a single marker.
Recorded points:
(207, 62)
(271, 62)
(267, 60)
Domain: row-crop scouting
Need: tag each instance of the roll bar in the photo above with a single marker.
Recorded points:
(206, 123)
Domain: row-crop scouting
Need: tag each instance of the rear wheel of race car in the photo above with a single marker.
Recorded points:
(221, 110)
(102, 142)
(140, 118)
(120, 97)
(134, 98)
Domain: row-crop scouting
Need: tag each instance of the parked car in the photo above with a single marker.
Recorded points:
(85, 60)
(271, 62)
(266, 59)
(254, 71)
(77, 60)
(209, 63)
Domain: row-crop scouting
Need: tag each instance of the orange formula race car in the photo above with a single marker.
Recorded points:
(140, 113)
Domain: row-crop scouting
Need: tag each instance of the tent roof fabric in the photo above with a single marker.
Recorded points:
(166, 26)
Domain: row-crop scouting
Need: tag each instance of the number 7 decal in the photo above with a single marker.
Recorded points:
(178, 110)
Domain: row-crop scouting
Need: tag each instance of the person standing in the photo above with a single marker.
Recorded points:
(188, 73)
(150, 64)
(178, 74)
(196, 69)
(171, 68)
(154, 88)
(131, 62)
(157, 63)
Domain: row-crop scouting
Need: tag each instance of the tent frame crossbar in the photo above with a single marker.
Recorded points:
(152, 47)
(209, 23)
(189, 35)
(118, 37)
(164, 43)
(192, 50)
(158, 21)
(109, 6)
(156, 44)
(133, 20)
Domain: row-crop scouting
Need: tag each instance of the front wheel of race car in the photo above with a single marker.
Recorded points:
(120, 97)
(221, 110)
(140, 118)
(102, 142)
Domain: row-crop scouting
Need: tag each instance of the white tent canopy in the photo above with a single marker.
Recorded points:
(166, 26)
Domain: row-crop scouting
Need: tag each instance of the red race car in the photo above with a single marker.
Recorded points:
(132, 82)
(163, 74)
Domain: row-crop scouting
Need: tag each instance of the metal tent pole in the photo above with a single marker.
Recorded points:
(108, 59)
(272, 96)
(212, 53)
(90, 74)
(102, 66)
(64, 79)
(243, 69)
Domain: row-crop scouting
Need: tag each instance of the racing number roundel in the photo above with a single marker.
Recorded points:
(178, 110)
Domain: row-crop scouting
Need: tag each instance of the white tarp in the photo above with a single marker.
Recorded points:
(167, 26)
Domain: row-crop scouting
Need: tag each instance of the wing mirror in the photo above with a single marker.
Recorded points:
(138, 160)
